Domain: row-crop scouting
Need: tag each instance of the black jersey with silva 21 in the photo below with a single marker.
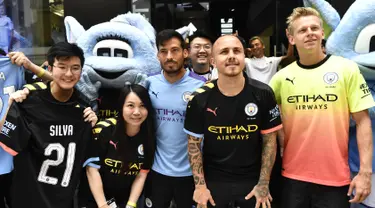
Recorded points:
(48, 139)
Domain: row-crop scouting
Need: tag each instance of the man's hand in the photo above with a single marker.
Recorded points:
(19, 59)
(362, 185)
(90, 116)
(262, 195)
(201, 196)
(19, 96)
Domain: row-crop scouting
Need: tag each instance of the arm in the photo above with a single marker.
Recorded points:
(195, 159)
(96, 186)
(289, 53)
(20, 59)
(362, 182)
(261, 190)
(17, 96)
(268, 157)
(288, 58)
(137, 186)
(364, 140)
(201, 193)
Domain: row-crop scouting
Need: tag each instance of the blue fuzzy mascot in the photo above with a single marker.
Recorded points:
(353, 37)
(117, 52)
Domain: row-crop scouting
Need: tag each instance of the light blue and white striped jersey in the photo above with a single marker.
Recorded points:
(11, 79)
(170, 101)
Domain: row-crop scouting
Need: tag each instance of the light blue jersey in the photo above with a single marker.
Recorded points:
(11, 79)
(170, 101)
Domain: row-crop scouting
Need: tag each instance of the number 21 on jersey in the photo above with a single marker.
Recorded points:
(60, 150)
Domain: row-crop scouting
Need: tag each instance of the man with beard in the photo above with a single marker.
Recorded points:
(238, 118)
(170, 90)
(259, 66)
(200, 54)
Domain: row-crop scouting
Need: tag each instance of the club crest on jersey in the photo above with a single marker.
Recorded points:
(140, 149)
(331, 78)
(186, 96)
(251, 109)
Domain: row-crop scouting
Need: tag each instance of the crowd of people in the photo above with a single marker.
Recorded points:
(223, 130)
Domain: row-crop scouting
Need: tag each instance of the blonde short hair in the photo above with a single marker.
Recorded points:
(301, 12)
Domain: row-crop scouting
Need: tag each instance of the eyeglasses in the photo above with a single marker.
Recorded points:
(74, 69)
(198, 47)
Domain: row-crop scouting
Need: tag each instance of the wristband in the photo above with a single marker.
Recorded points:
(41, 73)
(132, 204)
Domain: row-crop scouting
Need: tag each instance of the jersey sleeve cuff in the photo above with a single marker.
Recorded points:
(90, 161)
(363, 107)
(267, 131)
(8, 150)
(193, 134)
(145, 171)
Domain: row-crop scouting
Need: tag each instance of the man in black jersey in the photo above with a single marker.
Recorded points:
(238, 118)
(47, 133)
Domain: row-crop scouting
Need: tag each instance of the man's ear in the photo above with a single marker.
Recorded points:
(290, 37)
(186, 53)
(212, 62)
(49, 68)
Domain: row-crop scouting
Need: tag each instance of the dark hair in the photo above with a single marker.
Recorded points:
(168, 34)
(200, 34)
(147, 130)
(64, 50)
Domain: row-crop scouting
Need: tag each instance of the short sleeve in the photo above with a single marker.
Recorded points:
(359, 94)
(271, 120)
(14, 135)
(194, 124)
(275, 85)
(96, 148)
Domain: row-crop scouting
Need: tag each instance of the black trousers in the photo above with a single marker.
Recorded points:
(5, 184)
(300, 194)
(161, 189)
(231, 194)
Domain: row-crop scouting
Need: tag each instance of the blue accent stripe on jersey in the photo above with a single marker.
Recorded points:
(93, 165)
(90, 160)
(193, 134)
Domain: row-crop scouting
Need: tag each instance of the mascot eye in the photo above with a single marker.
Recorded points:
(366, 40)
(121, 53)
(104, 52)
(113, 48)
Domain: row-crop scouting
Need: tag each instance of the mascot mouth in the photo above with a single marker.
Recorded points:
(109, 75)
(370, 67)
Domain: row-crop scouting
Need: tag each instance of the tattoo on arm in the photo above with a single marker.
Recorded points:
(195, 158)
(268, 156)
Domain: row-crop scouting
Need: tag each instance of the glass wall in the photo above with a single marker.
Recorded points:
(31, 26)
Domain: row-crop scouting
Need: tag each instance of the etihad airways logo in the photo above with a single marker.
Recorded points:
(232, 129)
(312, 98)
(230, 133)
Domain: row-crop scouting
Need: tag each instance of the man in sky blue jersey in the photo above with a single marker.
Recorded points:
(171, 176)
(12, 78)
